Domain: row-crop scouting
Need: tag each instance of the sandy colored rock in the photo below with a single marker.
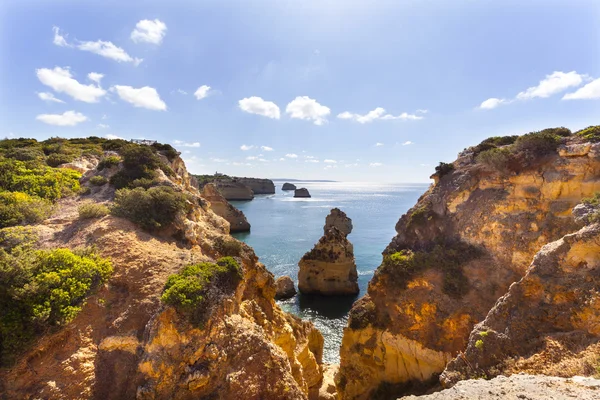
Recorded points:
(234, 190)
(284, 288)
(258, 185)
(288, 186)
(236, 218)
(338, 219)
(302, 192)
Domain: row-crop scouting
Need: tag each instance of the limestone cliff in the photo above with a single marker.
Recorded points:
(258, 186)
(471, 235)
(234, 190)
(125, 343)
(329, 268)
(237, 220)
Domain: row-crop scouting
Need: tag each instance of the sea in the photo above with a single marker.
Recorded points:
(284, 228)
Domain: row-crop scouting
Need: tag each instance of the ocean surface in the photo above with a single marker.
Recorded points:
(284, 228)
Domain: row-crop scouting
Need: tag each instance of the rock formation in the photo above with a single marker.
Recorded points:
(288, 186)
(233, 191)
(230, 183)
(472, 234)
(258, 186)
(329, 268)
(302, 192)
(125, 343)
(237, 220)
(284, 288)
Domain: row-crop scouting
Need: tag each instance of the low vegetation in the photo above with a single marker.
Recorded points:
(443, 169)
(228, 246)
(198, 288)
(108, 162)
(18, 208)
(591, 133)
(41, 290)
(92, 210)
(152, 208)
(139, 162)
(98, 180)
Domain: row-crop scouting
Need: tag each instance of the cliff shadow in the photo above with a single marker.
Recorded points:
(331, 307)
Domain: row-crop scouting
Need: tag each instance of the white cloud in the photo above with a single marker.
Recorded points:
(251, 158)
(96, 77)
(311, 161)
(377, 113)
(112, 137)
(422, 111)
(407, 143)
(145, 97)
(554, 83)
(202, 92)
(266, 148)
(492, 103)
(108, 50)
(181, 91)
(282, 159)
(291, 155)
(330, 161)
(180, 143)
(351, 165)
(330, 166)
(68, 118)
(61, 80)
(59, 40)
(375, 164)
(245, 147)
(218, 160)
(104, 116)
(149, 31)
(47, 96)
(589, 91)
(263, 160)
(303, 107)
(256, 105)
(378, 144)
(103, 126)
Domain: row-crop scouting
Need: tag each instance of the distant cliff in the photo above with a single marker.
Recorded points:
(226, 185)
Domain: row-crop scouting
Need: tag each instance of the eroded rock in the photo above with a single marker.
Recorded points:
(302, 192)
(236, 218)
(284, 288)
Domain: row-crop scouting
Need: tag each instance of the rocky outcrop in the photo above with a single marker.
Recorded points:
(520, 386)
(471, 235)
(288, 186)
(258, 186)
(125, 343)
(551, 314)
(329, 268)
(234, 190)
(237, 220)
(302, 192)
(284, 288)
(338, 219)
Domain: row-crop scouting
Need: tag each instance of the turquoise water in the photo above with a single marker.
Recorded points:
(284, 228)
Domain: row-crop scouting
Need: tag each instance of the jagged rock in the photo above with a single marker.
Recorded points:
(337, 218)
(302, 192)
(288, 186)
(81, 164)
(329, 268)
(236, 218)
(284, 288)
(234, 190)
(557, 300)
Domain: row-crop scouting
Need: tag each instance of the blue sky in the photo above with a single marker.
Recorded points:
(381, 90)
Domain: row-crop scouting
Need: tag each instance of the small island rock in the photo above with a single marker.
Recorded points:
(302, 192)
(284, 288)
(288, 186)
(329, 268)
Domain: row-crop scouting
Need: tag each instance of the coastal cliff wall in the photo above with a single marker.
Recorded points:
(125, 343)
(258, 186)
(236, 218)
(471, 235)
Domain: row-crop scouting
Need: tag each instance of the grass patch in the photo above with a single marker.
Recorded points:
(199, 287)
(92, 210)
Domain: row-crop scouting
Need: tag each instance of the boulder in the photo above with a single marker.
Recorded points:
(237, 220)
(288, 186)
(302, 192)
(284, 288)
(338, 219)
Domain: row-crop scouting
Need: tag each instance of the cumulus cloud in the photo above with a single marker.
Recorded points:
(291, 155)
(202, 92)
(59, 39)
(266, 148)
(47, 96)
(378, 113)
(303, 107)
(407, 143)
(96, 77)
(589, 91)
(144, 97)
(149, 31)
(68, 118)
(256, 105)
(61, 80)
(378, 144)
(330, 161)
(375, 164)
(552, 84)
(245, 147)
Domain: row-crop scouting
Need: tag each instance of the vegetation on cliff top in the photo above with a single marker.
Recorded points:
(199, 287)
(591, 133)
(41, 289)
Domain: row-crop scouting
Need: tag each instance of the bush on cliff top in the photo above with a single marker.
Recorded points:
(591, 133)
(18, 208)
(443, 169)
(199, 287)
(41, 290)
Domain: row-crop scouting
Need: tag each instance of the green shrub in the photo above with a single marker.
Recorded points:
(228, 246)
(114, 144)
(561, 131)
(443, 169)
(18, 143)
(98, 180)
(167, 150)
(92, 210)
(152, 208)
(501, 159)
(56, 159)
(199, 287)
(593, 201)
(139, 162)
(17, 208)
(144, 183)
(25, 154)
(419, 215)
(479, 344)
(591, 133)
(41, 290)
(493, 142)
(108, 162)
(537, 143)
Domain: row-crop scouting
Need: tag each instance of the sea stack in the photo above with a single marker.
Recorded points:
(288, 186)
(237, 220)
(302, 192)
(329, 268)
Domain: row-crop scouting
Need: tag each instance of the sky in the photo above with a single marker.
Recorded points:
(377, 91)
